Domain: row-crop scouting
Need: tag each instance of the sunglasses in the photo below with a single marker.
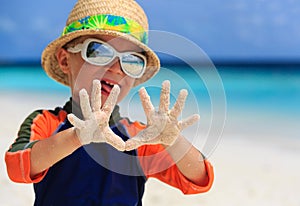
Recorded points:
(99, 53)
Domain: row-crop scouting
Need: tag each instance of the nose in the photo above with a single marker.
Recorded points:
(115, 66)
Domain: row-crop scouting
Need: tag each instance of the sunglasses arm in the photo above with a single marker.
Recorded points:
(75, 49)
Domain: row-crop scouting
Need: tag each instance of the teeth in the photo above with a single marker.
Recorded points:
(109, 83)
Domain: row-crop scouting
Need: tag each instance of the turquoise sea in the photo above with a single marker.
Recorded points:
(254, 96)
(263, 87)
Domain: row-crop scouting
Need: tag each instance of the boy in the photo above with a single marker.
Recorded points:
(85, 153)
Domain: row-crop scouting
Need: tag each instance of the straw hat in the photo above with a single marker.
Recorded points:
(118, 18)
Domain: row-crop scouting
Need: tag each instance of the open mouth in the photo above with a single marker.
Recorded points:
(106, 86)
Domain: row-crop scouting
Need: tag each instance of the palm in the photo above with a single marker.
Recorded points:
(163, 126)
(94, 127)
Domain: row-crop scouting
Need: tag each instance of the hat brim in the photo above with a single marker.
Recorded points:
(51, 67)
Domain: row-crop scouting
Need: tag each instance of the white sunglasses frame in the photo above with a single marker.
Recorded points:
(82, 47)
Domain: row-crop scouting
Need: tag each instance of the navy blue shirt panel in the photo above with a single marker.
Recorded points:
(95, 174)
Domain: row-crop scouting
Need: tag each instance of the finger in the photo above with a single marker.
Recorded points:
(96, 95)
(132, 144)
(115, 141)
(111, 99)
(85, 104)
(165, 97)
(146, 101)
(75, 121)
(188, 122)
(179, 104)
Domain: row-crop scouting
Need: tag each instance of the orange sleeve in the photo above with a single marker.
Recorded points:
(37, 126)
(18, 167)
(156, 162)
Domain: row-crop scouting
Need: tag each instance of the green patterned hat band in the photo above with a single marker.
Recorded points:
(109, 22)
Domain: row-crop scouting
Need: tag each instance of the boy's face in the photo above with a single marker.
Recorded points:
(81, 73)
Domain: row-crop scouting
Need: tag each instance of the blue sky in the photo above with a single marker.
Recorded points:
(226, 30)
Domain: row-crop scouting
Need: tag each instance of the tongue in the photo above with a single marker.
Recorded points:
(105, 88)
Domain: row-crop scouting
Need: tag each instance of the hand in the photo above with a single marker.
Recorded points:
(94, 127)
(162, 125)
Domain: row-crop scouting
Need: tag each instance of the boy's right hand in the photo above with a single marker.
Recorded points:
(94, 127)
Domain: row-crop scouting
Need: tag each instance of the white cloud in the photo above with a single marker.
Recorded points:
(45, 27)
(7, 25)
(40, 24)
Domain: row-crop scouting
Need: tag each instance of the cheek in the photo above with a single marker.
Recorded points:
(126, 87)
(123, 94)
(83, 77)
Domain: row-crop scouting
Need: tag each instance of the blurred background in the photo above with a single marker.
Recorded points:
(253, 46)
(238, 30)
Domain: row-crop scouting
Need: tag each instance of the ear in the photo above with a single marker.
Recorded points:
(62, 56)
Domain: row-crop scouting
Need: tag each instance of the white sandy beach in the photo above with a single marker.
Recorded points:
(257, 161)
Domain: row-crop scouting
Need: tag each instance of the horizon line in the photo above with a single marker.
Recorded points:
(217, 62)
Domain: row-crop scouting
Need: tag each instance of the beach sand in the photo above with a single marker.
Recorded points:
(257, 161)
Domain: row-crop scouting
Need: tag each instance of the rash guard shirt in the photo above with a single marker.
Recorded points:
(95, 174)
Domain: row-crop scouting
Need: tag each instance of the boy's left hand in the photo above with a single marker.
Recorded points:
(162, 125)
